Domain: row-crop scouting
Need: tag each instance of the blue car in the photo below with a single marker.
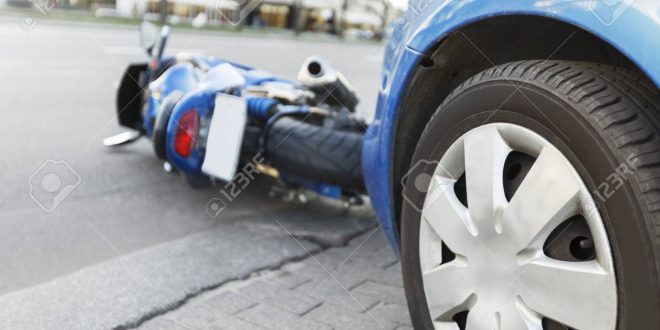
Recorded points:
(514, 163)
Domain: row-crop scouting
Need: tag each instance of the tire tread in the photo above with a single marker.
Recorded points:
(623, 103)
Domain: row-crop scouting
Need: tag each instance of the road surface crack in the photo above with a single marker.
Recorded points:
(311, 239)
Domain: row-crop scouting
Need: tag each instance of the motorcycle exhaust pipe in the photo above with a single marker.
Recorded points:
(329, 85)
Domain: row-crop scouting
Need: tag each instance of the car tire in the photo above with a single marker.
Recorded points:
(597, 127)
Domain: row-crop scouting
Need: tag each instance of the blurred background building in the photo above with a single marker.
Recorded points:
(359, 19)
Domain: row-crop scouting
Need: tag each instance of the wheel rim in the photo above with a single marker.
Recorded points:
(499, 258)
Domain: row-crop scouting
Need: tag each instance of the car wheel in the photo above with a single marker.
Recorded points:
(533, 202)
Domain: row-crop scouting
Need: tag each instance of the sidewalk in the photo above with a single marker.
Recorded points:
(311, 266)
(354, 287)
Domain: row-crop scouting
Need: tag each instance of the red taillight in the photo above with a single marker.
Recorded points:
(153, 64)
(186, 134)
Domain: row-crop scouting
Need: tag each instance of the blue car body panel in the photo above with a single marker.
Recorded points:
(629, 26)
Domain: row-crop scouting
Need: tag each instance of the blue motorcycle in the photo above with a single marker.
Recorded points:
(210, 119)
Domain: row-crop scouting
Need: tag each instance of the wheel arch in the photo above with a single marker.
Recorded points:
(473, 48)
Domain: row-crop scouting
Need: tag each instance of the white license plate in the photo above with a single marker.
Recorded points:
(223, 146)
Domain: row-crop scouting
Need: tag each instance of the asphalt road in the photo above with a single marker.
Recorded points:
(57, 85)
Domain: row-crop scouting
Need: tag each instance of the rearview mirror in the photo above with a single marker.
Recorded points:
(148, 36)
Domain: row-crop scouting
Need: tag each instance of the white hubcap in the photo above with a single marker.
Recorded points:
(501, 273)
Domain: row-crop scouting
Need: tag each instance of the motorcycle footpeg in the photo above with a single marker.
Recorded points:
(122, 139)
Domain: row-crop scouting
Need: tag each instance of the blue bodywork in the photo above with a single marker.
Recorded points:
(179, 77)
(200, 88)
(629, 26)
(203, 101)
(200, 93)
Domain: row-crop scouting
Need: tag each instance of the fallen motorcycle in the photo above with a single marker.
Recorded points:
(206, 116)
